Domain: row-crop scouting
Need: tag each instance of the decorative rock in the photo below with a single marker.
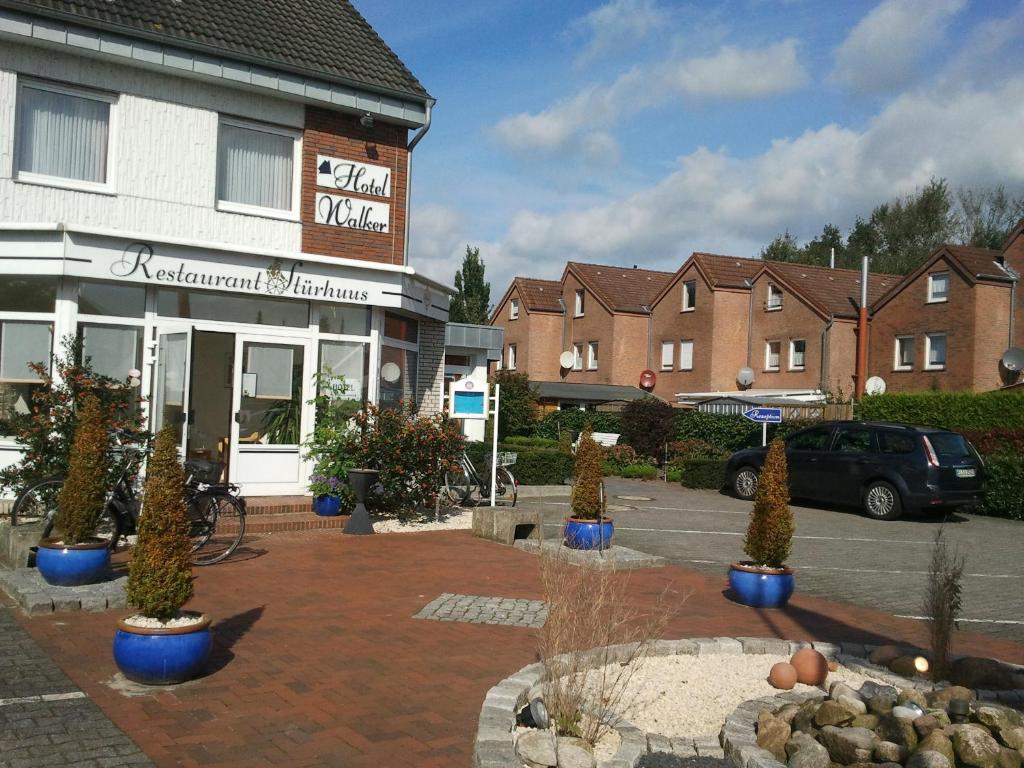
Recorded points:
(1013, 738)
(575, 753)
(537, 749)
(804, 719)
(897, 730)
(883, 654)
(839, 688)
(832, 713)
(809, 753)
(853, 704)
(975, 747)
(905, 713)
(925, 758)
(879, 698)
(925, 724)
(939, 742)
(912, 696)
(811, 666)
(998, 718)
(941, 715)
(1009, 758)
(942, 696)
(772, 734)
(888, 752)
(974, 672)
(787, 712)
(865, 721)
(783, 676)
(849, 745)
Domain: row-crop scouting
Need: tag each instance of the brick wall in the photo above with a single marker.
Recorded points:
(670, 324)
(537, 336)
(842, 357)
(991, 334)
(729, 339)
(795, 320)
(338, 135)
(430, 366)
(1014, 255)
(596, 324)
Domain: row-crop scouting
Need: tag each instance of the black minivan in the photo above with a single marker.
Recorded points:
(884, 468)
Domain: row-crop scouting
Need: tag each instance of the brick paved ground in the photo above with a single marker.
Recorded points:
(319, 659)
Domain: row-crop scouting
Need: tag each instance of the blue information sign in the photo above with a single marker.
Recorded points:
(764, 415)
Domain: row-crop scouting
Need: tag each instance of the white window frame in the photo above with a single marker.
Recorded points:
(513, 309)
(227, 206)
(577, 356)
(106, 187)
(792, 349)
(768, 354)
(687, 306)
(932, 298)
(511, 357)
(667, 365)
(769, 305)
(897, 365)
(928, 365)
(592, 352)
(682, 345)
(579, 306)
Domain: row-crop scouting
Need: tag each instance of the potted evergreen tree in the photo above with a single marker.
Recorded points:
(76, 555)
(765, 581)
(588, 527)
(161, 644)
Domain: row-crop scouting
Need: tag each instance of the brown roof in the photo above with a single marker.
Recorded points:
(726, 271)
(831, 291)
(621, 289)
(539, 295)
(977, 262)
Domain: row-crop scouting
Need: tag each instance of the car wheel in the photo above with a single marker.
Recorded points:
(744, 483)
(882, 501)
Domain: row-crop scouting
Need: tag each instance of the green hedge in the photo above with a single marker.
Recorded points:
(1004, 487)
(702, 473)
(534, 466)
(575, 420)
(949, 410)
(643, 471)
(532, 442)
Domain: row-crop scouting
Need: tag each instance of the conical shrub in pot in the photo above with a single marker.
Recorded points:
(75, 556)
(172, 648)
(588, 527)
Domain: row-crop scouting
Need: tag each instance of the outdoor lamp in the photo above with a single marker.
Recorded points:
(539, 713)
(958, 710)
(366, 120)
(921, 664)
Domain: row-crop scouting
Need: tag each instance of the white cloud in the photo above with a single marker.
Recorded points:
(437, 241)
(616, 25)
(881, 53)
(731, 74)
(715, 201)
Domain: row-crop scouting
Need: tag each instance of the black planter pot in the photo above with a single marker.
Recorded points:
(360, 481)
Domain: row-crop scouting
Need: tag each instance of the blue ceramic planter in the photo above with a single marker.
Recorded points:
(589, 534)
(760, 587)
(65, 566)
(327, 505)
(162, 656)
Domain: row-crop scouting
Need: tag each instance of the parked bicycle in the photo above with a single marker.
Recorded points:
(216, 512)
(459, 485)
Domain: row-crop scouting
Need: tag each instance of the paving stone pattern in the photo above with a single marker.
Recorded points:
(45, 720)
(475, 609)
(35, 596)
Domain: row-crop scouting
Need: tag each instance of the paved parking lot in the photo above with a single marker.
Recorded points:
(839, 554)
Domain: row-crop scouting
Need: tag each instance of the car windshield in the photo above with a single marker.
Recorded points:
(949, 445)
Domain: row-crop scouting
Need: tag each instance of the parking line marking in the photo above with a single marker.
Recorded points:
(43, 697)
(802, 567)
(743, 533)
(646, 507)
(968, 621)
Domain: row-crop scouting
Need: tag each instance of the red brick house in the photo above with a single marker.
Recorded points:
(531, 314)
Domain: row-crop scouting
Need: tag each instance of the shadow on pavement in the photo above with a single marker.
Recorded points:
(226, 633)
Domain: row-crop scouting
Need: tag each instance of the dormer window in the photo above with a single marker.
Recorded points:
(938, 287)
(774, 300)
(579, 303)
(513, 309)
(689, 295)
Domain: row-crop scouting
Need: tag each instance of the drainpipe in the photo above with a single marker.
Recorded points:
(408, 175)
(862, 330)
(650, 325)
(1013, 308)
(825, 338)
(750, 319)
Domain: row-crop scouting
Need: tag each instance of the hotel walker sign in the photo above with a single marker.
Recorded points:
(350, 212)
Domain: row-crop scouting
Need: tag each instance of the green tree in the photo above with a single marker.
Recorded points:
(648, 425)
(587, 500)
(819, 250)
(472, 301)
(518, 406)
(986, 216)
(770, 531)
(783, 248)
(84, 494)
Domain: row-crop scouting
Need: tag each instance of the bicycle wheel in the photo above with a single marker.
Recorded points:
(457, 486)
(505, 489)
(37, 504)
(108, 528)
(218, 525)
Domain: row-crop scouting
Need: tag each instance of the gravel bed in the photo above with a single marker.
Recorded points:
(148, 623)
(690, 696)
(460, 519)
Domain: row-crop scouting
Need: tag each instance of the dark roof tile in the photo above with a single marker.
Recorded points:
(727, 271)
(539, 295)
(620, 288)
(834, 291)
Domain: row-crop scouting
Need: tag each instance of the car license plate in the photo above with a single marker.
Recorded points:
(966, 472)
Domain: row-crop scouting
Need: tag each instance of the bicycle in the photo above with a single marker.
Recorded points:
(459, 485)
(216, 513)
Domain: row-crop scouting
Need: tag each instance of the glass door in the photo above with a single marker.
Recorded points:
(170, 393)
(270, 390)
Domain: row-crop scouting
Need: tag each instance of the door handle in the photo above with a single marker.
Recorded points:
(238, 417)
(191, 417)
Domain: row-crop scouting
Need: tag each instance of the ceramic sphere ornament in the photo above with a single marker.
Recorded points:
(811, 666)
(782, 676)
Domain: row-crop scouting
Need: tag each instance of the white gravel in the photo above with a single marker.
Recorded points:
(458, 519)
(690, 696)
(148, 623)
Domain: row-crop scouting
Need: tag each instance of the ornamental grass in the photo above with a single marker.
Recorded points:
(770, 532)
(84, 495)
(587, 500)
(160, 571)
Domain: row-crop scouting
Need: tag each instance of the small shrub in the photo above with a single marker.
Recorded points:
(587, 501)
(541, 467)
(648, 425)
(942, 602)
(641, 471)
(518, 410)
(1004, 479)
(618, 457)
(674, 475)
(997, 442)
(556, 423)
(730, 432)
(84, 495)
(160, 570)
(770, 533)
(701, 473)
(695, 449)
(531, 442)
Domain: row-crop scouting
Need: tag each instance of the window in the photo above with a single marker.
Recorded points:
(894, 442)
(399, 356)
(935, 351)
(21, 343)
(271, 397)
(853, 441)
(577, 357)
(401, 328)
(513, 309)
(112, 350)
(63, 135)
(592, 356)
(797, 350)
(229, 308)
(904, 360)
(579, 303)
(257, 169)
(511, 357)
(348, 359)
(771, 355)
(938, 287)
(689, 295)
(111, 299)
(28, 293)
(666, 355)
(686, 355)
(774, 298)
(814, 439)
(343, 319)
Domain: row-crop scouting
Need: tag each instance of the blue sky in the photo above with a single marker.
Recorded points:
(638, 131)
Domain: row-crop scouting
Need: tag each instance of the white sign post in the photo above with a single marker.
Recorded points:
(494, 443)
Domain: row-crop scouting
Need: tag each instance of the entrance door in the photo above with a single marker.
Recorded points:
(210, 402)
(170, 393)
(270, 389)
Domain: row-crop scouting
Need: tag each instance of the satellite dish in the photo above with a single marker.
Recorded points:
(745, 377)
(875, 385)
(1013, 359)
(648, 379)
(566, 359)
(390, 372)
